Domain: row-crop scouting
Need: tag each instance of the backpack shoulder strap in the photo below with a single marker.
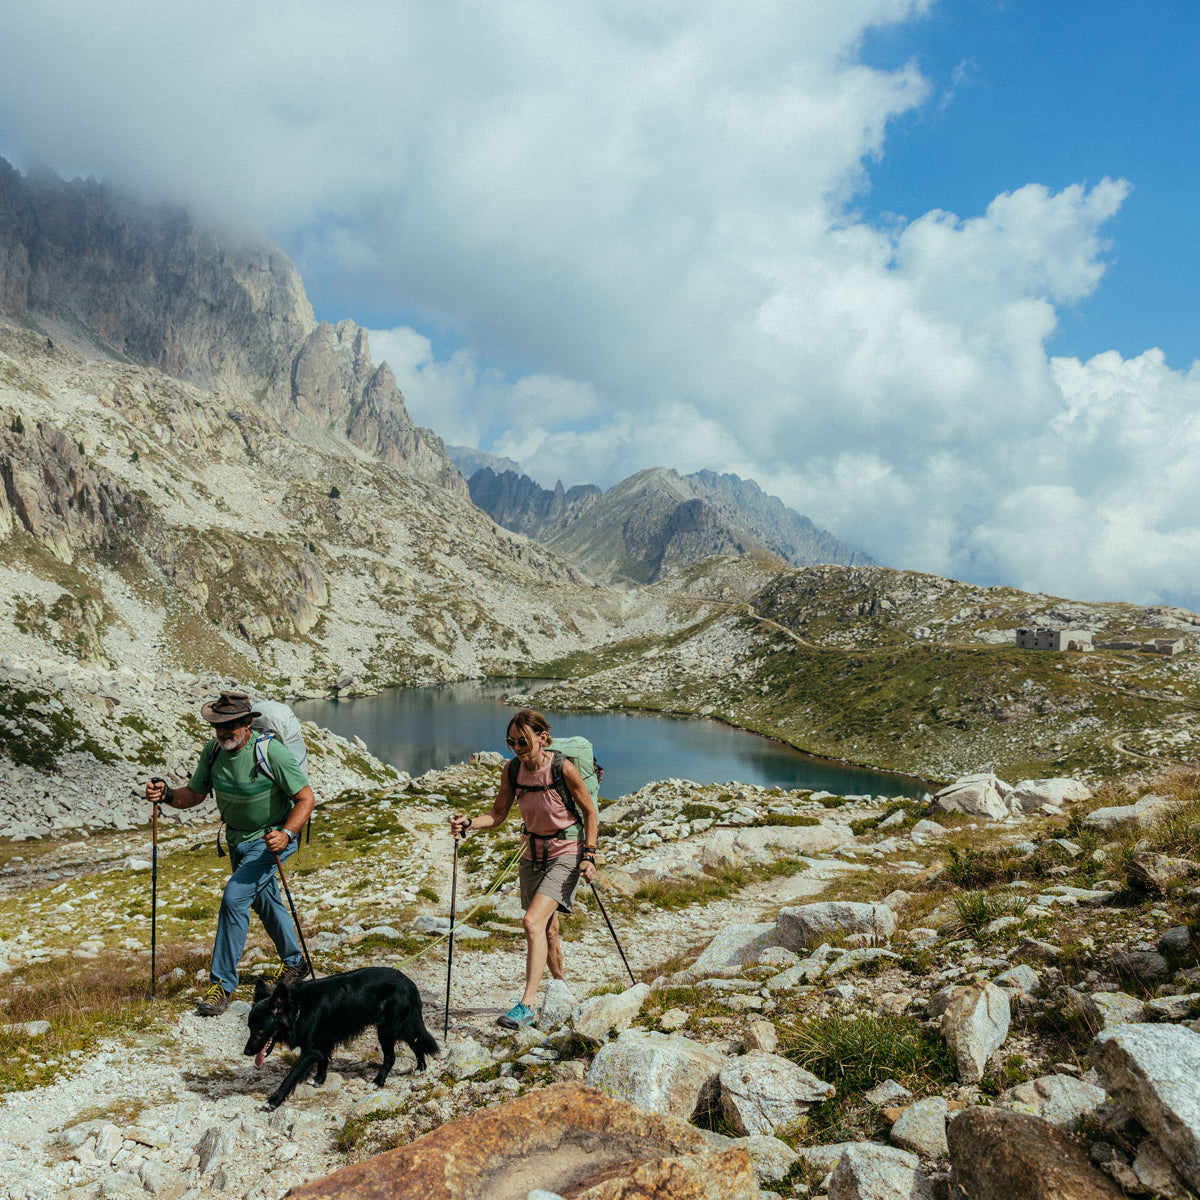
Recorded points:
(261, 761)
(212, 754)
(558, 781)
(514, 765)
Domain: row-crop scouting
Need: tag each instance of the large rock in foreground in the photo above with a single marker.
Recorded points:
(981, 795)
(1152, 1071)
(974, 1026)
(658, 1072)
(761, 1092)
(564, 1139)
(804, 925)
(996, 1154)
(866, 1171)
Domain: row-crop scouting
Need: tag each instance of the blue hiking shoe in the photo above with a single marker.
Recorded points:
(517, 1017)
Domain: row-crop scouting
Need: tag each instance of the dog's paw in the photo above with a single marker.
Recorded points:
(273, 1102)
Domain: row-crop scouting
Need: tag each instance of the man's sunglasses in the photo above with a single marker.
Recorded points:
(230, 726)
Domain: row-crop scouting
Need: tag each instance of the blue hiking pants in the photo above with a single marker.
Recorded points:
(252, 885)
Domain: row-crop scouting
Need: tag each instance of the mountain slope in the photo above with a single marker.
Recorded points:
(655, 522)
(114, 279)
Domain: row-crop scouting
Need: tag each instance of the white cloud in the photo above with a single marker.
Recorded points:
(638, 223)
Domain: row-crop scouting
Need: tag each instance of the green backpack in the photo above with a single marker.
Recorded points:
(579, 751)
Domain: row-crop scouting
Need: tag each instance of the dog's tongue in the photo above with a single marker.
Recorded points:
(261, 1056)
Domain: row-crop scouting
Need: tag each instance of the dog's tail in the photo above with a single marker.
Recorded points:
(424, 1041)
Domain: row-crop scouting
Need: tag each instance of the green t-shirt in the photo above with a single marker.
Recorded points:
(249, 803)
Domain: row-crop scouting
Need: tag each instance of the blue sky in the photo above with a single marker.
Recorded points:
(1056, 92)
(921, 268)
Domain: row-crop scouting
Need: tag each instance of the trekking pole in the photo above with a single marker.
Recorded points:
(632, 978)
(450, 955)
(295, 919)
(154, 898)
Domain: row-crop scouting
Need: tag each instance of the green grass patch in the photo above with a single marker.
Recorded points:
(856, 1053)
(715, 883)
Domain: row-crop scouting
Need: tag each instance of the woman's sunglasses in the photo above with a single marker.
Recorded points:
(516, 743)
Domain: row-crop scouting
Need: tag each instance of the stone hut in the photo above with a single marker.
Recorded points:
(1054, 639)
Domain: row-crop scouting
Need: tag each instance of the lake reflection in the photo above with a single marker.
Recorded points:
(418, 729)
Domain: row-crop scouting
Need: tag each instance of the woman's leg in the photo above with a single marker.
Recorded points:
(554, 959)
(538, 917)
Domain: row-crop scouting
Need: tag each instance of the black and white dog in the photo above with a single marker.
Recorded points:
(317, 1015)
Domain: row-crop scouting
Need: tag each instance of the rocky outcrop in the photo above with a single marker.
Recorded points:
(90, 266)
(560, 1139)
(88, 263)
(997, 1154)
(1151, 1070)
(50, 488)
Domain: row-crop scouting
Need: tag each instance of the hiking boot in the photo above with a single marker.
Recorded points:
(291, 974)
(517, 1017)
(214, 1002)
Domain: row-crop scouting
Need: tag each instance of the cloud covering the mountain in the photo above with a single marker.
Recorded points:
(605, 236)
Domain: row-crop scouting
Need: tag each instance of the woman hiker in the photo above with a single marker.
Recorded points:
(559, 850)
(263, 820)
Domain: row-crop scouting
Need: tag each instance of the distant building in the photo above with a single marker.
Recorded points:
(1168, 646)
(1054, 639)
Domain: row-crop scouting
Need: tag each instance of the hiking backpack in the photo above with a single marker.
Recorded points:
(275, 720)
(579, 751)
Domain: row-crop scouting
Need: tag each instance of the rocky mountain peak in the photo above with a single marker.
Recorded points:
(113, 278)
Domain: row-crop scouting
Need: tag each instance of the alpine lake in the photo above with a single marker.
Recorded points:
(421, 729)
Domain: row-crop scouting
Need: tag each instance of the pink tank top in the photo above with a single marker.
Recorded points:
(545, 814)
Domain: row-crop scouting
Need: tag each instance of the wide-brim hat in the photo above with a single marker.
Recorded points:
(228, 706)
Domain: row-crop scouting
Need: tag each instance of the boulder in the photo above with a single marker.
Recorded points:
(464, 1059)
(1154, 873)
(980, 795)
(760, 1035)
(659, 1072)
(1021, 979)
(761, 1092)
(598, 1015)
(1142, 964)
(558, 1003)
(1151, 1071)
(770, 1159)
(1149, 810)
(1059, 1099)
(556, 1139)
(997, 1154)
(974, 1026)
(806, 925)
(1031, 795)
(734, 949)
(1106, 1009)
(926, 831)
(921, 1128)
(867, 1171)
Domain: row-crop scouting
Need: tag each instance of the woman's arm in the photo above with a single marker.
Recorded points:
(494, 816)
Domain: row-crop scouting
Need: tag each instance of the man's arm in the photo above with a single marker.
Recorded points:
(303, 802)
(180, 797)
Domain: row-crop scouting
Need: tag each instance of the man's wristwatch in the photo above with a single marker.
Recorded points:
(292, 835)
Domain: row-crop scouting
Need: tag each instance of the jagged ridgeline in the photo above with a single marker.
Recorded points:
(654, 522)
(196, 473)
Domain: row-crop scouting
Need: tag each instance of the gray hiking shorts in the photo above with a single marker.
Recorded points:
(559, 880)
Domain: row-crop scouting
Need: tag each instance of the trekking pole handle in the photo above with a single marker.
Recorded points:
(168, 791)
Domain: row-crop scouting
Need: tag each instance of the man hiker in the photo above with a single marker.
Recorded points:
(263, 819)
